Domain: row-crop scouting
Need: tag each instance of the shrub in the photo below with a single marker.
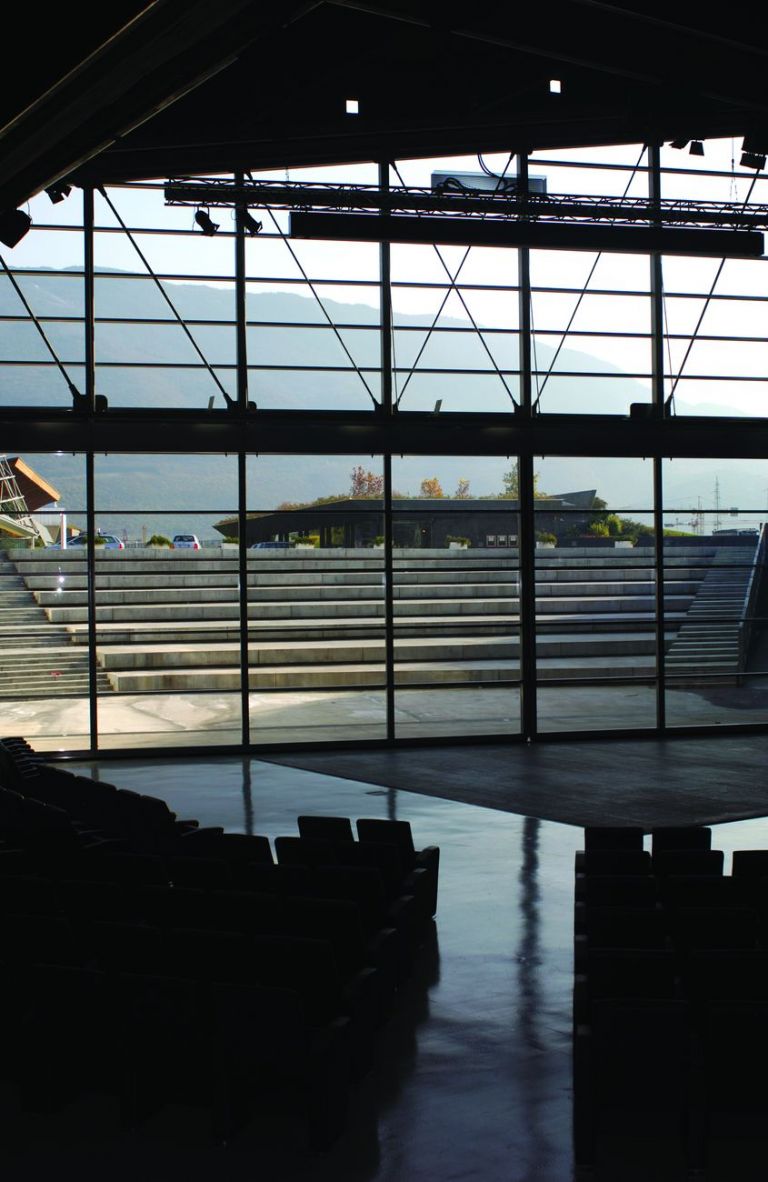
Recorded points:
(157, 540)
(547, 539)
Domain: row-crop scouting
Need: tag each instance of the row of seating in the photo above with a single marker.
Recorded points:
(670, 1001)
(215, 974)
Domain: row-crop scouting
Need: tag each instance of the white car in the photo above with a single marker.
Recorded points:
(185, 542)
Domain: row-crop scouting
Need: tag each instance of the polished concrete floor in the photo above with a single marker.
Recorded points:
(473, 1079)
(184, 720)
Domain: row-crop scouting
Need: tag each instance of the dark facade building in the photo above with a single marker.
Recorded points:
(418, 522)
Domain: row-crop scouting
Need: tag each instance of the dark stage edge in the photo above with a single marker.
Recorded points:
(648, 782)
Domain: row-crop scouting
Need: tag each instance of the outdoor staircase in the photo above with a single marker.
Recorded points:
(708, 644)
(38, 657)
(169, 621)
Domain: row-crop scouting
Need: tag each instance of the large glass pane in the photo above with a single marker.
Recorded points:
(47, 268)
(455, 309)
(166, 271)
(715, 309)
(167, 601)
(456, 596)
(45, 674)
(313, 311)
(595, 594)
(316, 651)
(717, 642)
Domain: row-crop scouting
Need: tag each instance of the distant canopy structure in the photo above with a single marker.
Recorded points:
(416, 521)
(22, 492)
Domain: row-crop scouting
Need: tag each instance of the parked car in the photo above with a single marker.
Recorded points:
(103, 541)
(185, 542)
(270, 546)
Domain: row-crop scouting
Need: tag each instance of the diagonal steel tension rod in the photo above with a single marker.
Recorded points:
(707, 302)
(321, 305)
(481, 338)
(444, 301)
(582, 293)
(72, 387)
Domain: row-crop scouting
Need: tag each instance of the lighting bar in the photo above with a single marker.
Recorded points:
(361, 227)
(510, 203)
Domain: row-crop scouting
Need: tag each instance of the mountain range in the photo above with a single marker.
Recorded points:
(288, 328)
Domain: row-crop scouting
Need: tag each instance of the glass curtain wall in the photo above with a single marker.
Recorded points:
(316, 601)
(380, 590)
(45, 674)
(596, 605)
(714, 543)
(456, 577)
(166, 601)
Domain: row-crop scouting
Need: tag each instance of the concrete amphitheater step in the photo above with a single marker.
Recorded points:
(182, 609)
(345, 651)
(352, 676)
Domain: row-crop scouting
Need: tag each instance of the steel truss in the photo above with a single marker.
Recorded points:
(503, 205)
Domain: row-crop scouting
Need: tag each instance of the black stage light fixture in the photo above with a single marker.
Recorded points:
(754, 151)
(250, 223)
(679, 144)
(696, 148)
(205, 223)
(14, 224)
(58, 192)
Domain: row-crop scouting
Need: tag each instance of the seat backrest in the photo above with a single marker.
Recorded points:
(681, 837)
(326, 828)
(385, 832)
(612, 837)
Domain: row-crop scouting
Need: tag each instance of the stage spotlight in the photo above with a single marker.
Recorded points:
(14, 224)
(205, 223)
(696, 148)
(679, 144)
(58, 192)
(753, 152)
(250, 223)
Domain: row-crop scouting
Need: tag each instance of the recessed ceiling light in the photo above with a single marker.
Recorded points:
(352, 107)
(555, 86)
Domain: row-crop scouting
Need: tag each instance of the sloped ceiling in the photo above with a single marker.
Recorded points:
(172, 89)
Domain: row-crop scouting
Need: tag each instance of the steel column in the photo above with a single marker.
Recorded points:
(526, 539)
(90, 510)
(386, 409)
(242, 482)
(657, 380)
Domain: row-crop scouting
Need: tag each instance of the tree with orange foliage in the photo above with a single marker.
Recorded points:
(365, 484)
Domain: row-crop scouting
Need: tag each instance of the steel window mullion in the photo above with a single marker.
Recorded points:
(526, 527)
(90, 508)
(657, 386)
(387, 409)
(242, 484)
